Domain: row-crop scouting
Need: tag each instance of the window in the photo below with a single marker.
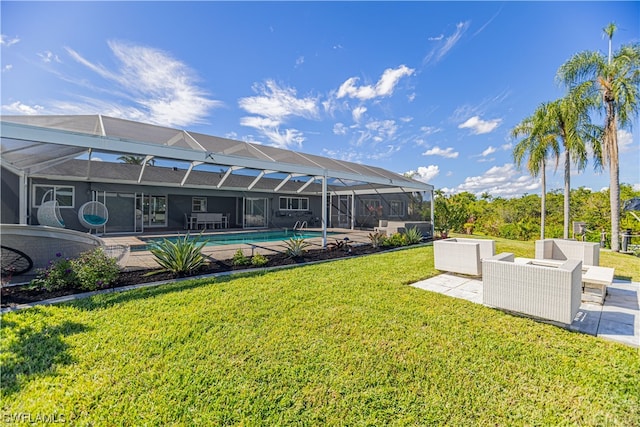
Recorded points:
(294, 203)
(64, 194)
(199, 204)
(371, 207)
(396, 208)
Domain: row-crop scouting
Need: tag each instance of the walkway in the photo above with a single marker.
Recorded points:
(618, 319)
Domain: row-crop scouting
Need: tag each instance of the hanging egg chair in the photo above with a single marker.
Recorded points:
(49, 212)
(93, 215)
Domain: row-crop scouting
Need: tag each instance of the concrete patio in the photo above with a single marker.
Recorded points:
(618, 319)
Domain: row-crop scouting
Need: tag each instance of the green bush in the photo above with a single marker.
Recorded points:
(90, 271)
(296, 247)
(180, 257)
(239, 258)
(95, 270)
(413, 236)
(259, 260)
(57, 275)
(396, 239)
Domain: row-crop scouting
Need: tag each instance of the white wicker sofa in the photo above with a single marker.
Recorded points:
(561, 250)
(551, 293)
(461, 255)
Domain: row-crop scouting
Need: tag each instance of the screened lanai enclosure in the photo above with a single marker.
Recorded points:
(109, 175)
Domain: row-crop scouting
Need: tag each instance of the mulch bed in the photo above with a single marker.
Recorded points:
(15, 295)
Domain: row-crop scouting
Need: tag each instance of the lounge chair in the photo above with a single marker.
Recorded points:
(461, 255)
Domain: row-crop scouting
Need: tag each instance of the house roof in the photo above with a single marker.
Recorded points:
(41, 145)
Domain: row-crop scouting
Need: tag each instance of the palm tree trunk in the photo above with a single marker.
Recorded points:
(614, 197)
(543, 201)
(611, 144)
(567, 191)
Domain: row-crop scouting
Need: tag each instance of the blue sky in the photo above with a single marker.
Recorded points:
(428, 87)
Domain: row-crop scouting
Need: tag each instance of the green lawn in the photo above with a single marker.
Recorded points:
(340, 343)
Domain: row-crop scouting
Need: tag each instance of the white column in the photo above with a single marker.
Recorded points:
(324, 209)
(433, 231)
(353, 210)
(23, 200)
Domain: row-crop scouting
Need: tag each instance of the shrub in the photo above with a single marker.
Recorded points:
(377, 239)
(413, 236)
(340, 244)
(57, 275)
(396, 239)
(180, 257)
(239, 258)
(296, 247)
(95, 270)
(90, 271)
(259, 260)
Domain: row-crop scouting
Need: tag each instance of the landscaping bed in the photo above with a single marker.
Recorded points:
(24, 294)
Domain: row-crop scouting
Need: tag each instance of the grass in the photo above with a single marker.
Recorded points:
(340, 343)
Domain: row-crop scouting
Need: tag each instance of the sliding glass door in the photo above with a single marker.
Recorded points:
(255, 212)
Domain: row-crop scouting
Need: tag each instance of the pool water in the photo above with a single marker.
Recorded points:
(242, 237)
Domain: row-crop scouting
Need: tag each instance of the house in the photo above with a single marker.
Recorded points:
(181, 174)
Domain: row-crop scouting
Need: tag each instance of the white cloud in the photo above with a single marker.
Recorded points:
(48, 56)
(438, 52)
(507, 146)
(424, 173)
(259, 122)
(625, 140)
(299, 61)
(273, 105)
(7, 67)
(163, 89)
(504, 181)
(384, 87)
(479, 126)
(437, 151)
(278, 102)
(489, 150)
(339, 129)
(22, 109)
(6, 41)
(383, 129)
(430, 130)
(285, 139)
(358, 112)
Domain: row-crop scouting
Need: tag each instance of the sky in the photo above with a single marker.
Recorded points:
(428, 88)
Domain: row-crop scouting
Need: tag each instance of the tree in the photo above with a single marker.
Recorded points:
(569, 121)
(537, 145)
(450, 213)
(135, 160)
(616, 82)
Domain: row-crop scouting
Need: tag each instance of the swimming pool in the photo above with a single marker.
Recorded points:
(248, 237)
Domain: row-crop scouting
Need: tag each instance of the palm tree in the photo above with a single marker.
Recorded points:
(135, 160)
(570, 122)
(538, 144)
(616, 82)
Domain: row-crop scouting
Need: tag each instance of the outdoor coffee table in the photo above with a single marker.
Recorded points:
(594, 283)
(594, 279)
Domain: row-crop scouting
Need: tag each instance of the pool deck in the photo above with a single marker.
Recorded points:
(138, 260)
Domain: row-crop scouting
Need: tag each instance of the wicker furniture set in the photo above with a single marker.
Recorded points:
(551, 286)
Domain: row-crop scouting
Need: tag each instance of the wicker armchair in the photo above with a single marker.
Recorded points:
(462, 256)
(562, 250)
(551, 293)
